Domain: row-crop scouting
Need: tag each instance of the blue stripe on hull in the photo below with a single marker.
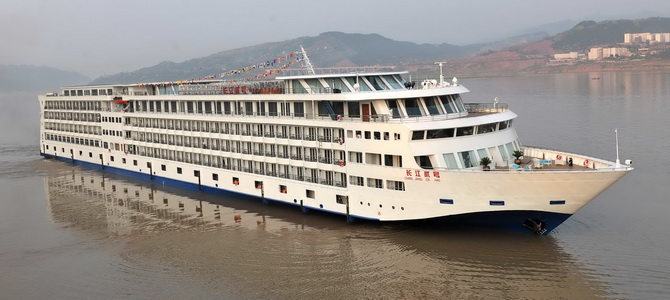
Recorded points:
(505, 220)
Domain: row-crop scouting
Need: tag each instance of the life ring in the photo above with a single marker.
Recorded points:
(339, 117)
(340, 140)
(110, 150)
(559, 157)
(341, 163)
(586, 163)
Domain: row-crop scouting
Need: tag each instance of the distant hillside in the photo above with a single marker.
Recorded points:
(330, 49)
(590, 33)
(36, 78)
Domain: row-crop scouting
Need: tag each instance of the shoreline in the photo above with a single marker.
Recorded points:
(511, 68)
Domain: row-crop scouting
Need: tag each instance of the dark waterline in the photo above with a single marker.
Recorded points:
(66, 236)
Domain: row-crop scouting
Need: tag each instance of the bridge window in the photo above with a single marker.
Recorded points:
(413, 107)
(486, 128)
(391, 80)
(434, 106)
(393, 107)
(376, 83)
(417, 135)
(440, 133)
(463, 131)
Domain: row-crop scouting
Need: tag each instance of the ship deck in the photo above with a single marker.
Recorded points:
(539, 164)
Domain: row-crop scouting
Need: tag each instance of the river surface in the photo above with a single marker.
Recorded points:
(67, 232)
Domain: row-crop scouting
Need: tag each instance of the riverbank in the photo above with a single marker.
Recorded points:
(475, 67)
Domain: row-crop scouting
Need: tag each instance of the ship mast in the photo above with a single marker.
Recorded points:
(306, 63)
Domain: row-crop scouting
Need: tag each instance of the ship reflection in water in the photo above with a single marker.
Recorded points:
(180, 244)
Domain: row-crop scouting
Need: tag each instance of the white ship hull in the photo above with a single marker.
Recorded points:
(525, 194)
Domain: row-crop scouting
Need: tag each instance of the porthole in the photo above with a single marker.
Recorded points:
(402, 208)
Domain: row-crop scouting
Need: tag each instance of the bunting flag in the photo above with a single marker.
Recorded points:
(290, 59)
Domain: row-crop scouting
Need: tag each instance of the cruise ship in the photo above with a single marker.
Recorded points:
(365, 144)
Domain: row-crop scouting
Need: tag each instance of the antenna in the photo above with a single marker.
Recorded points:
(441, 63)
(616, 136)
(306, 63)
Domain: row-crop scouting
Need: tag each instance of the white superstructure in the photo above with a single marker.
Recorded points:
(365, 144)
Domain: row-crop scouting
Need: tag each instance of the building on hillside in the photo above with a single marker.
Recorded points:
(569, 56)
(598, 53)
(652, 38)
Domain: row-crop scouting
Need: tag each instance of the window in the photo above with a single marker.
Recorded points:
(482, 153)
(258, 184)
(440, 133)
(468, 159)
(355, 157)
(163, 168)
(413, 108)
(111, 158)
(510, 148)
(367, 135)
(375, 183)
(393, 107)
(340, 199)
(392, 160)
(123, 160)
(134, 162)
(354, 109)
(424, 161)
(309, 194)
(417, 135)
(90, 154)
(395, 185)
(450, 159)
(282, 189)
(236, 181)
(434, 106)
(496, 203)
(446, 201)
(196, 173)
(356, 180)
(463, 131)
(503, 152)
(377, 135)
(373, 159)
(486, 128)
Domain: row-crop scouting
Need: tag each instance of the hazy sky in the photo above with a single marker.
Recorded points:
(97, 37)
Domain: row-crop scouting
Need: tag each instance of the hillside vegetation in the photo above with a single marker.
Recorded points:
(590, 33)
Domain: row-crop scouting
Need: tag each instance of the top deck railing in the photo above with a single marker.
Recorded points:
(337, 70)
